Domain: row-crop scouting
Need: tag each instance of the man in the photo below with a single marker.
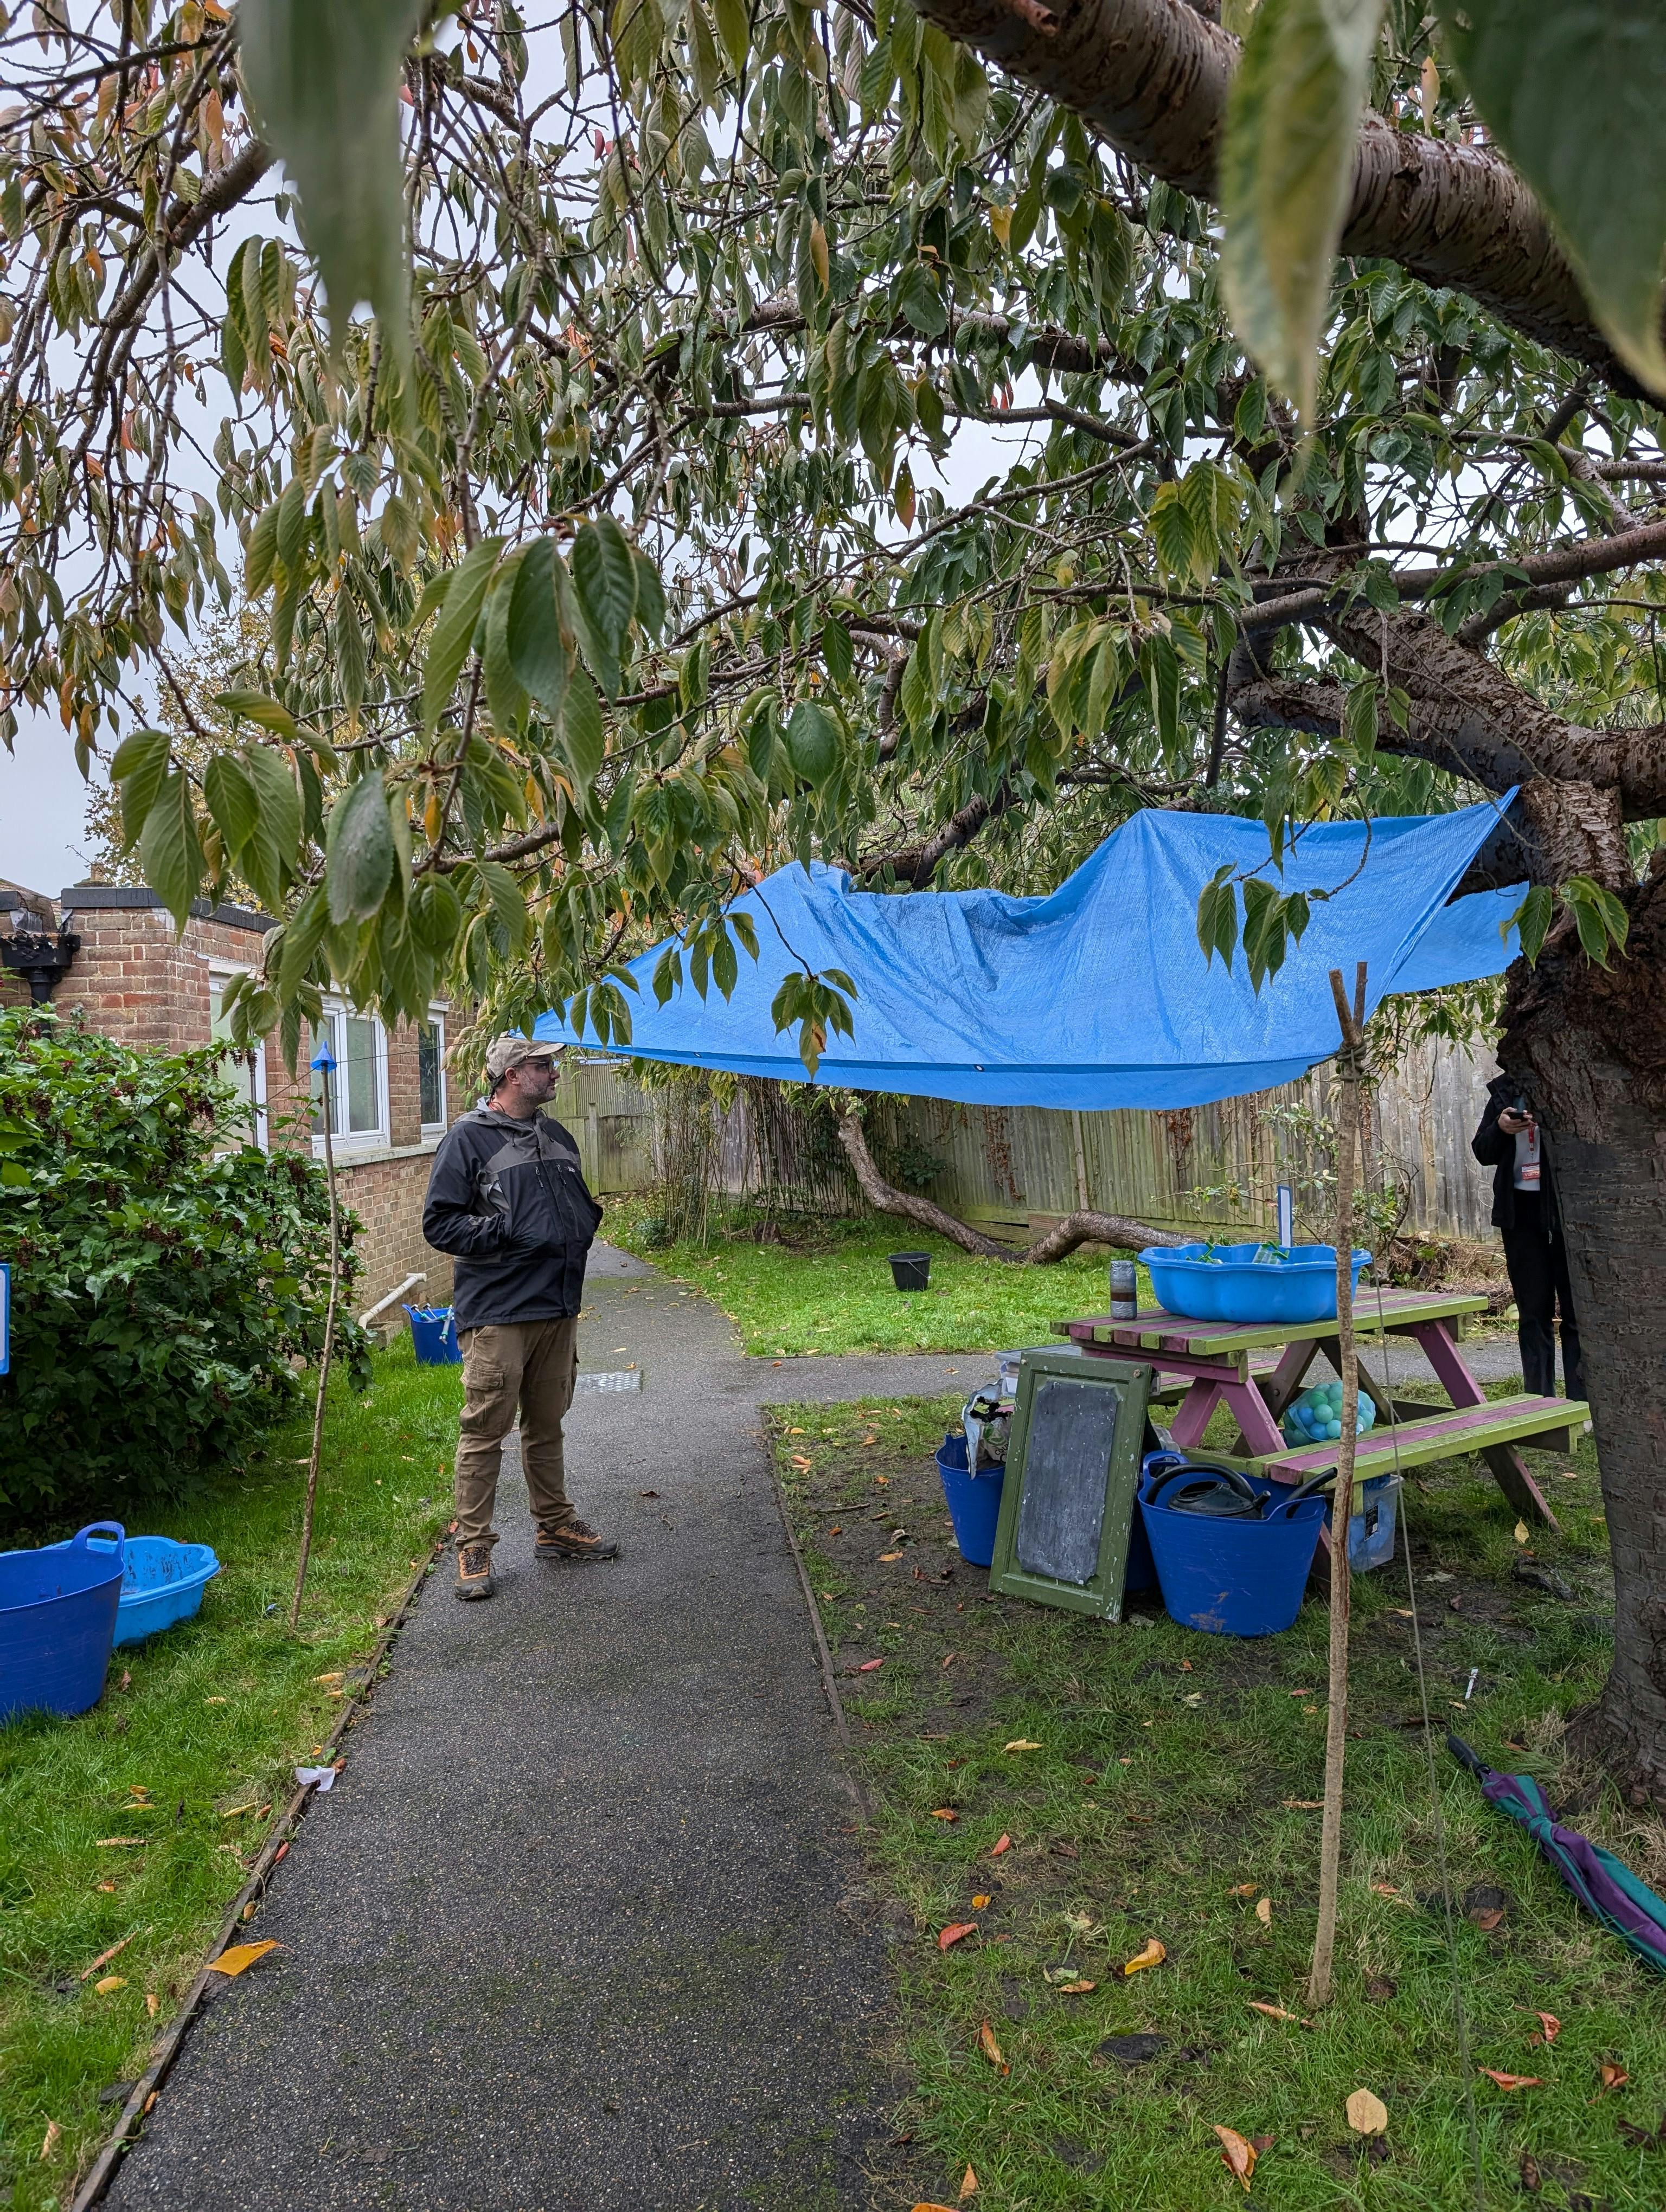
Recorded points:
(506, 1197)
(1509, 1142)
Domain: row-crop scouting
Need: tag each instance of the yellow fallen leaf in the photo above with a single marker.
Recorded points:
(945, 1813)
(1367, 2115)
(153, 2003)
(1521, 1532)
(933, 2208)
(968, 2186)
(1243, 1889)
(885, 1558)
(335, 1677)
(1152, 1955)
(109, 1984)
(49, 2143)
(1277, 2011)
(1264, 1911)
(118, 1843)
(1021, 1743)
(214, 1701)
(795, 1432)
(240, 1957)
(980, 1900)
(1076, 1989)
(1236, 2155)
(990, 2048)
(1303, 1804)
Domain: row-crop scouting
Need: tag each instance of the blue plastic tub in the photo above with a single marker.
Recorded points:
(1230, 1577)
(974, 1501)
(434, 1336)
(57, 1620)
(163, 1582)
(1248, 1283)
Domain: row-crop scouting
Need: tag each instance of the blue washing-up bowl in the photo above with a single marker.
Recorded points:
(1254, 1284)
(57, 1619)
(163, 1582)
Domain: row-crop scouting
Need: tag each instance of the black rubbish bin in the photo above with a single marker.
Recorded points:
(911, 1271)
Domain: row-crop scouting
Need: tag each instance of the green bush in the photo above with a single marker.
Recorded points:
(164, 1297)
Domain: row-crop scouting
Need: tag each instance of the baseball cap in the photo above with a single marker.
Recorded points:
(510, 1051)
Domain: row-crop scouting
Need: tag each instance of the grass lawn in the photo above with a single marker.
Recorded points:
(830, 1289)
(1168, 1795)
(211, 1714)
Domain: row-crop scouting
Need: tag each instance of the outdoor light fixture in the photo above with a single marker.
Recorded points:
(42, 960)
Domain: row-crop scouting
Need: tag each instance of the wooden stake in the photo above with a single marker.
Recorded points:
(1352, 1022)
(323, 1363)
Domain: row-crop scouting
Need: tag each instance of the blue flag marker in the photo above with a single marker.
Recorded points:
(325, 1059)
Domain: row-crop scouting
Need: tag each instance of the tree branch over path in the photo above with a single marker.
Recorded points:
(1151, 76)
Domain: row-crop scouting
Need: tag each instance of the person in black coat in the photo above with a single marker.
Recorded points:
(1509, 1141)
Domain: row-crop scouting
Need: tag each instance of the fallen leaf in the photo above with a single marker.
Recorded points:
(980, 1900)
(1152, 1955)
(1490, 1917)
(1243, 1889)
(836, 1530)
(335, 1677)
(1301, 1693)
(1613, 2076)
(110, 1983)
(104, 1958)
(214, 1701)
(1532, 2178)
(1021, 1743)
(1367, 2115)
(1303, 1804)
(153, 2003)
(801, 1463)
(1521, 1532)
(870, 1440)
(885, 1558)
(1511, 2081)
(968, 2186)
(948, 1658)
(240, 1957)
(1001, 1844)
(50, 2142)
(990, 2048)
(868, 1666)
(118, 1843)
(1551, 2025)
(1236, 2155)
(795, 1432)
(956, 1932)
(1384, 1889)
(1076, 1989)
(107, 1888)
(945, 1813)
(1264, 1911)
(1278, 2012)
(920, 2208)
(1195, 1700)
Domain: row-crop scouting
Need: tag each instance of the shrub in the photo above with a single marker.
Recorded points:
(164, 1295)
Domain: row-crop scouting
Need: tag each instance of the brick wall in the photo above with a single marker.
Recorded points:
(386, 1193)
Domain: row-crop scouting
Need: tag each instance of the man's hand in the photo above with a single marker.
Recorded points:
(1513, 1120)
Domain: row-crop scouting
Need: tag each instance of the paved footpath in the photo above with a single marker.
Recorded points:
(582, 1924)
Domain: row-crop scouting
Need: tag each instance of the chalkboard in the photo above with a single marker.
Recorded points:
(1072, 1468)
(1061, 1511)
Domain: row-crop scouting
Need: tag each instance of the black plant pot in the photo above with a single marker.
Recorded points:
(911, 1271)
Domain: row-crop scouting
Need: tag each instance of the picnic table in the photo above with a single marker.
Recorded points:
(1255, 1371)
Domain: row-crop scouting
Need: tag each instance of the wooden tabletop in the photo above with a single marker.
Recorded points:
(1154, 1330)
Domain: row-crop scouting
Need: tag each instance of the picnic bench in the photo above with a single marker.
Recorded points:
(1255, 1371)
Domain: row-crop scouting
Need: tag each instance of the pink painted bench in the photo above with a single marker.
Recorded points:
(1225, 1363)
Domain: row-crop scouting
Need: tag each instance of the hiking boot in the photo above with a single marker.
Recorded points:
(474, 1571)
(574, 1540)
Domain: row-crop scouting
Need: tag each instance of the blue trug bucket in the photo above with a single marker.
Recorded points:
(57, 1619)
(163, 1582)
(974, 1501)
(434, 1336)
(1230, 1576)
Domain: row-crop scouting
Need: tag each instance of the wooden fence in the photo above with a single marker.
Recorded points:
(1013, 1168)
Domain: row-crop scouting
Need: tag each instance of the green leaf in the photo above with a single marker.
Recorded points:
(256, 706)
(1286, 171)
(1172, 531)
(605, 578)
(505, 694)
(734, 28)
(836, 652)
(583, 737)
(1573, 91)
(168, 847)
(919, 300)
(812, 742)
(271, 854)
(537, 653)
(746, 930)
(232, 800)
(139, 765)
(1217, 916)
(260, 552)
(358, 863)
(454, 633)
(1531, 921)
(1359, 719)
(323, 81)
(508, 902)
(1598, 916)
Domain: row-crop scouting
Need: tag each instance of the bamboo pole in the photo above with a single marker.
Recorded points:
(329, 1347)
(1351, 1022)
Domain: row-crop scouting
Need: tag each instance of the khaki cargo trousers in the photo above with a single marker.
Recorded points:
(525, 1366)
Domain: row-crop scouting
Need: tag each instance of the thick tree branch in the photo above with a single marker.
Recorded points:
(1152, 76)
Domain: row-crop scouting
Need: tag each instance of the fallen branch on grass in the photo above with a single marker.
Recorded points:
(1083, 1227)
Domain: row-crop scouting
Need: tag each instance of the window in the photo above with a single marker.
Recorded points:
(431, 1071)
(358, 1085)
(244, 1069)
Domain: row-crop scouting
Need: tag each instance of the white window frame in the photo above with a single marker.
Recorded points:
(436, 1014)
(221, 973)
(337, 1009)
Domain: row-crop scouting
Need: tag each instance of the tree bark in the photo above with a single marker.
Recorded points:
(1152, 77)
(1082, 1227)
(1589, 1047)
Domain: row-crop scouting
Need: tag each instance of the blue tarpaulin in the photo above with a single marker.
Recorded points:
(1099, 995)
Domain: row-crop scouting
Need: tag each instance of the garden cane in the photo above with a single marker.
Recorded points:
(1348, 1134)
(324, 1064)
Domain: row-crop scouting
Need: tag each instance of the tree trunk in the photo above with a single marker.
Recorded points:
(1589, 1046)
(1082, 1227)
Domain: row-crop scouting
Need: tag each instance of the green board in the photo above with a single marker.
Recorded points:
(1072, 1472)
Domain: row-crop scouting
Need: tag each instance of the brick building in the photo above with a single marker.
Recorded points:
(132, 976)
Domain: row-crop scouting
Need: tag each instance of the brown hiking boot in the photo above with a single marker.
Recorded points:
(574, 1540)
(474, 1571)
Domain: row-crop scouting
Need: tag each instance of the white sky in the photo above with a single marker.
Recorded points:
(43, 805)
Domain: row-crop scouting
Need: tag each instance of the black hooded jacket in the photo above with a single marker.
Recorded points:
(1494, 1150)
(508, 1198)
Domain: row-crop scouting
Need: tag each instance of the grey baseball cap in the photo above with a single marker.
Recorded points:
(509, 1051)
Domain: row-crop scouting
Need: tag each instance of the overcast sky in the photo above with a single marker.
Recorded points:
(43, 804)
